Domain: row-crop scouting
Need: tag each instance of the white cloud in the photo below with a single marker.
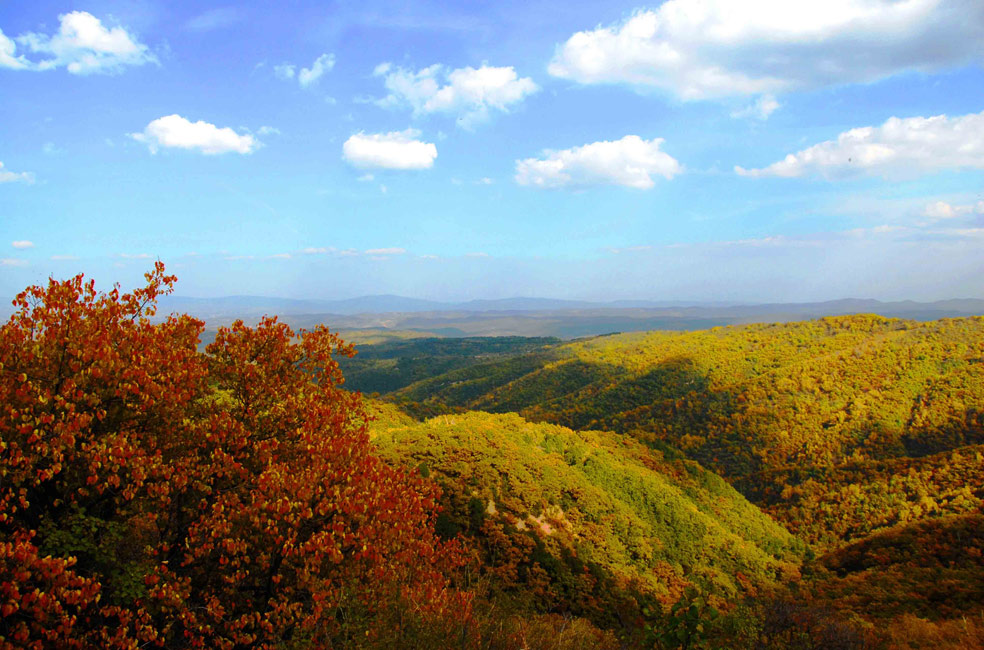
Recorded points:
(174, 131)
(268, 130)
(944, 210)
(306, 76)
(899, 147)
(394, 150)
(699, 49)
(22, 244)
(13, 177)
(83, 45)
(8, 58)
(470, 93)
(760, 109)
(365, 178)
(136, 256)
(386, 251)
(10, 261)
(321, 65)
(63, 258)
(631, 162)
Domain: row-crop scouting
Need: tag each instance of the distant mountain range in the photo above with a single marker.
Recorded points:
(388, 304)
(534, 316)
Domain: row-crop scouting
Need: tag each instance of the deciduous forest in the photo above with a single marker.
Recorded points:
(815, 484)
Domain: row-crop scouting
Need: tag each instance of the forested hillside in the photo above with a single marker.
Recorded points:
(761, 404)
(594, 509)
(390, 365)
(848, 430)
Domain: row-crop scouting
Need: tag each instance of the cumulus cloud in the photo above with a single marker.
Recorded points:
(82, 45)
(174, 131)
(10, 261)
(7, 176)
(394, 150)
(631, 162)
(700, 49)
(22, 244)
(899, 147)
(470, 93)
(386, 251)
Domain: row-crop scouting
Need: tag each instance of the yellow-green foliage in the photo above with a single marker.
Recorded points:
(747, 398)
(597, 499)
(831, 505)
(771, 407)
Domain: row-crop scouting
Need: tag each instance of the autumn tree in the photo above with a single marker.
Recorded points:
(154, 495)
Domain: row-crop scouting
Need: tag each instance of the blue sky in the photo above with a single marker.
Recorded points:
(694, 149)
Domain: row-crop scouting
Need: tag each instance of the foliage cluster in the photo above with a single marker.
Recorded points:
(587, 523)
(156, 496)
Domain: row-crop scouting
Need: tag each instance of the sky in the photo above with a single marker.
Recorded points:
(754, 151)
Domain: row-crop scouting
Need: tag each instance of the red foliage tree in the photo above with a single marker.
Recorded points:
(154, 495)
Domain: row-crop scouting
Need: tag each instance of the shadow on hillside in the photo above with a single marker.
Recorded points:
(933, 568)
(554, 385)
(673, 403)
(957, 433)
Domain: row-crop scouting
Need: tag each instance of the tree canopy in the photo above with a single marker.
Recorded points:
(156, 496)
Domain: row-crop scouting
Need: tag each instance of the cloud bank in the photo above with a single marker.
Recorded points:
(701, 49)
(897, 148)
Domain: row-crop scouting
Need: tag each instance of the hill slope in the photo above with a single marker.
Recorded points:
(578, 520)
(752, 398)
